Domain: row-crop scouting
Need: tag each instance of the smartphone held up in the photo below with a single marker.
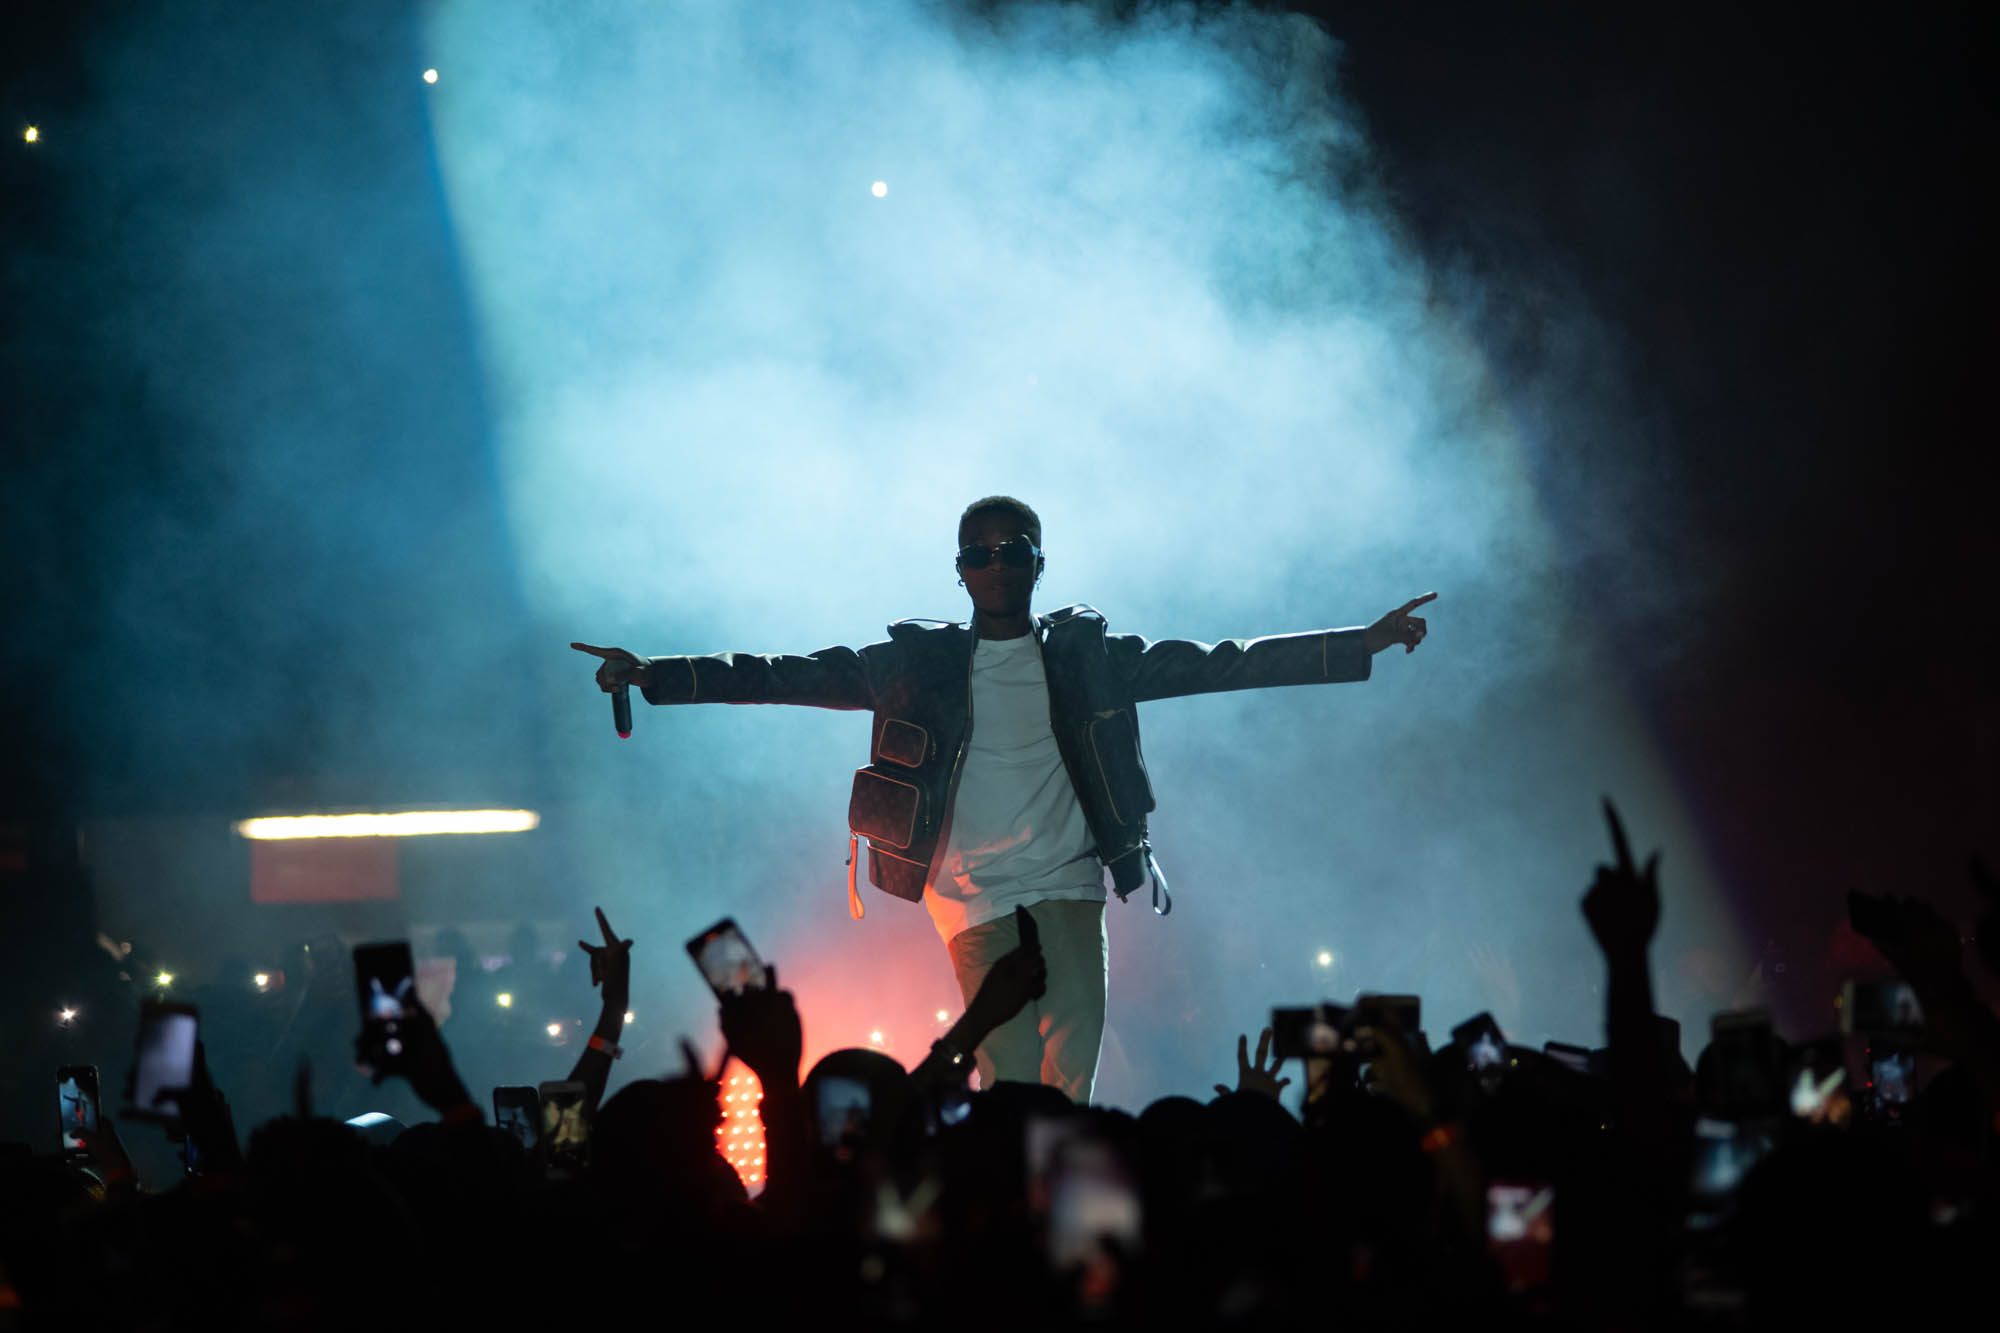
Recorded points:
(726, 959)
(565, 1128)
(385, 982)
(163, 1060)
(76, 1108)
(517, 1111)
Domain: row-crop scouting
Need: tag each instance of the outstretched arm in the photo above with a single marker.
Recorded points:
(1170, 668)
(829, 678)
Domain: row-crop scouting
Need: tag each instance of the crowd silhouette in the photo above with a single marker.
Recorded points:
(1462, 1182)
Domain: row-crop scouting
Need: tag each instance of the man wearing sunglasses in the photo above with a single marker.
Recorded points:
(1005, 769)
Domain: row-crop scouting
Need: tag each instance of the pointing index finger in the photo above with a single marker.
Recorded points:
(606, 653)
(1408, 606)
(1618, 843)
(605, 926)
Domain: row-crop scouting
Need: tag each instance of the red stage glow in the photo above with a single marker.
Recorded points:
(323, 870)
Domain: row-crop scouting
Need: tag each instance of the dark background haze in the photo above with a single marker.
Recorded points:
(337, 403)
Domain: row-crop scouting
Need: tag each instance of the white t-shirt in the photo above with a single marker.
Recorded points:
(1017, 834)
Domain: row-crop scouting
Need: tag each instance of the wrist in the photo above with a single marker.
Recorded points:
(1626, 952)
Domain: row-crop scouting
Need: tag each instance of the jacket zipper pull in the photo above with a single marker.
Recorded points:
(854, 908)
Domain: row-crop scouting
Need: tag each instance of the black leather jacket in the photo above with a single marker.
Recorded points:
(918, 683)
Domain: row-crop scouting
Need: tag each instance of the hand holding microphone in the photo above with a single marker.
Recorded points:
(617, 672)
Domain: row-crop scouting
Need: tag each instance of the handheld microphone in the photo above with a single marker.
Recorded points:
(621, 712)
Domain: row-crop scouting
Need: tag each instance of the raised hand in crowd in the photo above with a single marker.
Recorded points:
(207, 1121)
(1256, 1076)
(1924, 948)
(610, 965)
(763, 1031)
(1396, 1067)
(1016, 977)
(1916, 939)
(611, 973)
(1398, 1073)
(107, 1154)
(1622, 906)
(1623, 902)
(425, 1064)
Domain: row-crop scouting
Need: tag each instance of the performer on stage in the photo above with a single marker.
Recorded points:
(1005, 768)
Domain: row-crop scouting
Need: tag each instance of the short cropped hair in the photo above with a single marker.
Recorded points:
(1031, 522)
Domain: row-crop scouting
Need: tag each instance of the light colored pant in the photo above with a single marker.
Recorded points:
(1055, 1039)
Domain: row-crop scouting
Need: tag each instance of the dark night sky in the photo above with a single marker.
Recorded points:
(1771, 213)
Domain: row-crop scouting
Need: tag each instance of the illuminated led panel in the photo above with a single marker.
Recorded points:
(740, 1136)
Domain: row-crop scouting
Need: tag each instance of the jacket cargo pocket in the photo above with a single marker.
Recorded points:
(895, 874)
(884, 809)
(903, 743)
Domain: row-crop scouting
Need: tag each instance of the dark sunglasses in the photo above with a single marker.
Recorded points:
(1018, 552)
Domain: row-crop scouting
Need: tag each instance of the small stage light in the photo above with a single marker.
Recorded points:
(1325, 959)
(66, 1016)
(628, 1015)
(875, 1037)
(261, 981)
(430, 76)
(504, 999)
(555, 1029)
(943, 1017)
(164, 979)
(31, 134)
(879, 189)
